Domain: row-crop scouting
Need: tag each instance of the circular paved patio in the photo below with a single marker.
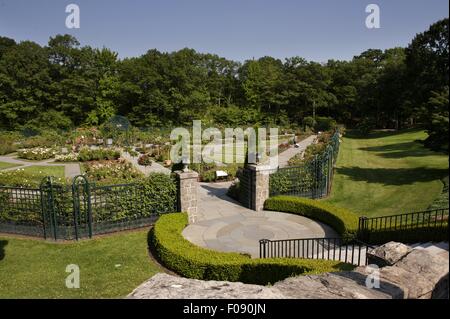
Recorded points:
(224, 225)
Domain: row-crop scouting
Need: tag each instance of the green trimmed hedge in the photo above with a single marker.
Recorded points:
(189, 260)
(341, 220)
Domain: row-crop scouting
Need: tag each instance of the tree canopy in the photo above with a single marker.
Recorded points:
(64, 84)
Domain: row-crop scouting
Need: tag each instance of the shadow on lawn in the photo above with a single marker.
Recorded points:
(3, 243)
(400, 150)
(393, 176)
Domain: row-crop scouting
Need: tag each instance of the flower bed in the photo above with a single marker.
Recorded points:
(111, 171)
(37, 153)
(207, 171)
(70, 157)
(99, 154)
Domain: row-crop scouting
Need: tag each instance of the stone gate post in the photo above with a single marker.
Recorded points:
(187, 193)
(259, 185)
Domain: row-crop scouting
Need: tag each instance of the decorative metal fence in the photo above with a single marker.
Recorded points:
(21, 211)
(311, 179)
(315, 248)
(431, 225)
(83, 209)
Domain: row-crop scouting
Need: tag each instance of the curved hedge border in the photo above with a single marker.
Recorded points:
(189, 260)
(341, 220)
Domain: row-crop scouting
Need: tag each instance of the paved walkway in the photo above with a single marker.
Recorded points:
(284, 157)
(223, 224)
(70, 169)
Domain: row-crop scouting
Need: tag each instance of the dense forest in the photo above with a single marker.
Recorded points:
(63, 85)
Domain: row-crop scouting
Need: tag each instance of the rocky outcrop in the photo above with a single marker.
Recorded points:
(390, 253)
(346, 285)
(412, 273)
(164, 286)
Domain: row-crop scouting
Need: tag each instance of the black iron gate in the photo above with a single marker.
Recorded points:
(66, 211)
(56, 208)
(82, 207)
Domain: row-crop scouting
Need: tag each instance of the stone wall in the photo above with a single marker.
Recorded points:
(410, 274)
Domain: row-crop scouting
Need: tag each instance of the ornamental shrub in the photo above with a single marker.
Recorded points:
(105, 171)
(99, 154)
(8, 143)
(325, 124)
(37, 153)
(70, 157)
(153, 195)
(145, 160)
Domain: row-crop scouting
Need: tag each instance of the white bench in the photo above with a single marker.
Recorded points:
(220, 174)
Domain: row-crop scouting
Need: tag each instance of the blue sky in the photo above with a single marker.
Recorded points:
(314, 29)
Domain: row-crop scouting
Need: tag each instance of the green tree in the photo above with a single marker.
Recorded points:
(24, 84)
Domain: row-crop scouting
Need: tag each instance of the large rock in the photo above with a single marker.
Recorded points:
(389, 253)
(328, 286)
(422, 271)
(414, 273)
(163, 286)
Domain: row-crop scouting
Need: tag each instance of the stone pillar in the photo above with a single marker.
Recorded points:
(187, 193)
(260, 185)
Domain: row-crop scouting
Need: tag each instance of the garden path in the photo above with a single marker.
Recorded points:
(70, 169)
(154, 168)
(223, 224)
(284, 157)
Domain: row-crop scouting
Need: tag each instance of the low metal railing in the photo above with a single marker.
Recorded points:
(315, 248)
(430, 225)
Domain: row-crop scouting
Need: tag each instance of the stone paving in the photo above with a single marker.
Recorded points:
(223, 224)
(284, 157)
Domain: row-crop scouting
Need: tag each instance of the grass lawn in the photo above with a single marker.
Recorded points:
(31, 176)
(387, 173)
(4, 165)
(110, 267)
(57, 171)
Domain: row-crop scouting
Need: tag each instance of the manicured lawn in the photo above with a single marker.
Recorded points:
(110, 267)
(31, 176)
(387, 173)
(4, 165)
(57, 171)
